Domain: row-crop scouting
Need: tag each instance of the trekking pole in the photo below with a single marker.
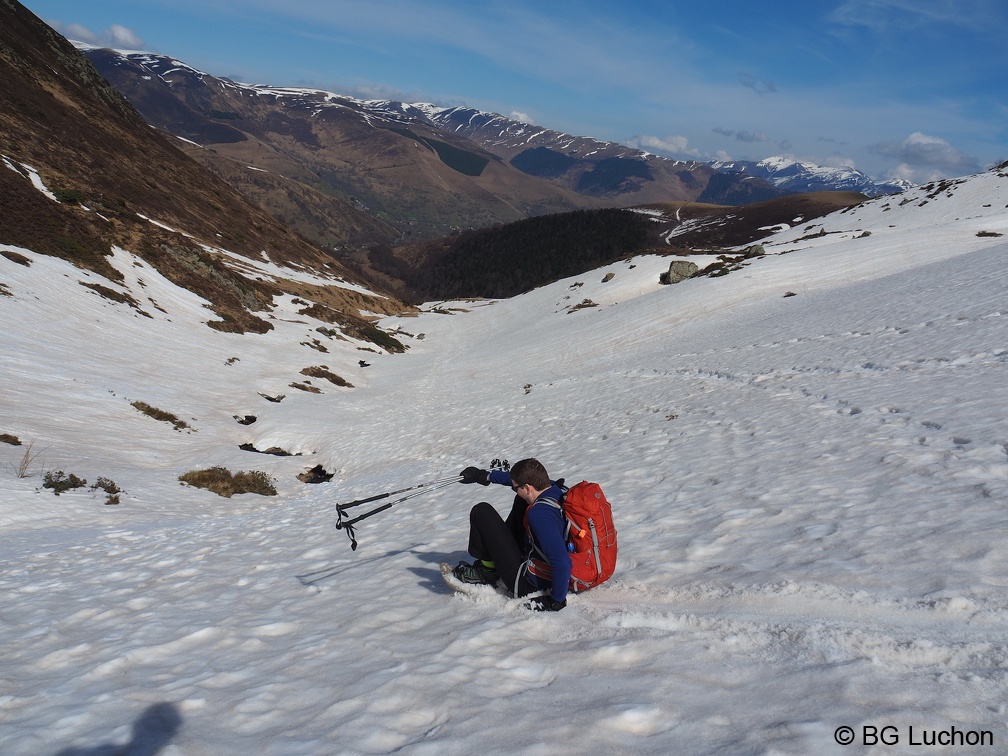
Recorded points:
(347, 525)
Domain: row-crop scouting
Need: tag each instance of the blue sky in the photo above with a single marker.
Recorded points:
(915, 89)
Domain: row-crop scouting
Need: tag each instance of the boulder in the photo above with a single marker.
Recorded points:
(678, 270)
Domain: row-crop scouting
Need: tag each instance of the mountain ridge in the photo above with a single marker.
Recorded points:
(510, 138)
(409, 203)
(397, 176)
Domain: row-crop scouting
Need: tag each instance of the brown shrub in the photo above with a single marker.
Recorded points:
(224, 483)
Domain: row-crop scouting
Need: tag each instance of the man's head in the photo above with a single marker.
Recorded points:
(530, 472)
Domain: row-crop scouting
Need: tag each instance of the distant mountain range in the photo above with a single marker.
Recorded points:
(343, 172)
(346, 172)
(793, 176)
(593, 166)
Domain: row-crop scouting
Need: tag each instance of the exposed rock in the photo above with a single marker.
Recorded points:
(679, 270)
(316, 475)
(276, 451)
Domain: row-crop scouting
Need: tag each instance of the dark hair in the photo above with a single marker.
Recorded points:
(530, 472)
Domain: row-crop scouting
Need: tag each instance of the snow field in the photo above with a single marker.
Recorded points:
(809, 494)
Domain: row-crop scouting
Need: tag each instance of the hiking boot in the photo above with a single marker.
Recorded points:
(476, 573)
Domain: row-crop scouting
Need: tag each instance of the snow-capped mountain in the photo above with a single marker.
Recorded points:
(797, 176)
(346, 160)
(509, 137)
(342, 171)
(530, 168)
(532, 146)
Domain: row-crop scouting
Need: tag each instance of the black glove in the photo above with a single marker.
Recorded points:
(545, 604)
(475, 475)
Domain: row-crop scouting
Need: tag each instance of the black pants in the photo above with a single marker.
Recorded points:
(496, 540)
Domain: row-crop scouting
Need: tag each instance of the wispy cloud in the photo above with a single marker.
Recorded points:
(742, 136)
(671, 145)
(577, 50)
(980, 16)
(116, 36)
(759, 87)
(925, 155)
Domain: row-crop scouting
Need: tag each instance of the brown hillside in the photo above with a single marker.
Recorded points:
(332, 158)
(108, 168)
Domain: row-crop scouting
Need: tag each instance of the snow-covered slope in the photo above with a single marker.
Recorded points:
(810, 494)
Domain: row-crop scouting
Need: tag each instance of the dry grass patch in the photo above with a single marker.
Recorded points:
(355, 327)
(23, 468)
(321, 371)
(114, 296)
(165, 417)
(110, 488)
(224, 483)
(584, 304)
(60, 482)
(15, 257)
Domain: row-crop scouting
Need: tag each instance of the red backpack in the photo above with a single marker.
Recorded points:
(591, 533)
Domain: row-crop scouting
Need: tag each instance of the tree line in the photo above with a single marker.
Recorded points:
(510, 259)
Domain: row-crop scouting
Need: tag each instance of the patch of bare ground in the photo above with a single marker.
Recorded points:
(163, 416)
(322, 371)
(355, 326)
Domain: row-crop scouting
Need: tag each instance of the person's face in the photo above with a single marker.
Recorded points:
(526, 492)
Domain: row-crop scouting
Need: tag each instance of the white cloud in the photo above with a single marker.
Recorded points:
(920, 152)
(116, 36)
(123, 37)
(517, 115)
(77, 32)
(903, 171)
(674, 145)
(838, 161)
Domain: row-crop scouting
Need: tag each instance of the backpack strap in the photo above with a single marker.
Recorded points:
(522, 570)
(535, 555)
(558, 504)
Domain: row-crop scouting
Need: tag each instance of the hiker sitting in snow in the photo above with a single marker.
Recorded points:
(528, 551)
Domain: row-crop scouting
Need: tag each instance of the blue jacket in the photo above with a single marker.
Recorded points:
(545, 529)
